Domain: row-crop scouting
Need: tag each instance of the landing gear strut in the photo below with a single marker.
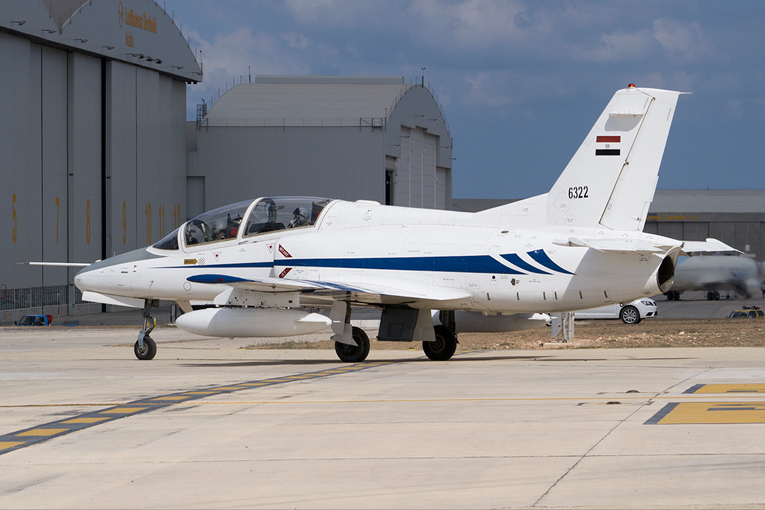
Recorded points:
(145, 348)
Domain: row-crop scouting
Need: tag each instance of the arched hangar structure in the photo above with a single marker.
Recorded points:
(348, 137)
(92, 138)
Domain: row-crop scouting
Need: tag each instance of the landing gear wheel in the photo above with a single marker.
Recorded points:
(149, 349)
(444, 346)
(630, 315)
(354, 353)
(717, 296)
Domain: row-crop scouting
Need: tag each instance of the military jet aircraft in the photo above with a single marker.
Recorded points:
(264, 264)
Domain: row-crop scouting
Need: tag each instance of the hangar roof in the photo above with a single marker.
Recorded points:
(308, 101)
(139, 32)
(709, 201)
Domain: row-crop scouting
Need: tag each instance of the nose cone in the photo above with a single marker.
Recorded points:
(96, 277)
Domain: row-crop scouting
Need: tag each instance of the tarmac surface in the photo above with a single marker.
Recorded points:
(205, 424)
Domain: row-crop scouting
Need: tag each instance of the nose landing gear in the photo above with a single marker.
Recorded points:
(145, 348)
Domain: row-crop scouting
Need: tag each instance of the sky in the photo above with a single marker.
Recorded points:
(521, 82)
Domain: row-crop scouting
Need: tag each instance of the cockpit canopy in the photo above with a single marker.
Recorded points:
(247, 219)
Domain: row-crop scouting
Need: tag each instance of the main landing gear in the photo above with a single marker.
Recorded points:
(354, 353)
(444, 346)
(397, 324)
(145, 348)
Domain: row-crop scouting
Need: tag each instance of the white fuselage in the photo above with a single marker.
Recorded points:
(437, 259)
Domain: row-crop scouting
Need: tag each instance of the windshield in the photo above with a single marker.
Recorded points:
(169, 242)
(217, 225)
(279, 213)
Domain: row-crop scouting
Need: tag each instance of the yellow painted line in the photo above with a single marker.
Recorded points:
(731, 388)
(123, 410)
(4, 445)
(230, 388)
(200, 392)
(171, 398)
(252, 384)
(300, 377)
(86, 420)
(715, 412)
(42, 432)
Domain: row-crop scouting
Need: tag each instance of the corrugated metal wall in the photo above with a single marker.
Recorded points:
(85, 141)
(246, 162)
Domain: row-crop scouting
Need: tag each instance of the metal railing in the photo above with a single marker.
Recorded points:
(35, 297)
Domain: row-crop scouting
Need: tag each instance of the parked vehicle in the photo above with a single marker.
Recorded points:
(631, 313)
(36, 320)
(751, 312)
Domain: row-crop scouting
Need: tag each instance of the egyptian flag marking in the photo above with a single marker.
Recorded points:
(608, 139)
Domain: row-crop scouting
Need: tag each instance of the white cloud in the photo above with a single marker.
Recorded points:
(230, 55)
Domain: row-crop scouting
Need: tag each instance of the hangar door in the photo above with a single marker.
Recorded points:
(417, 181)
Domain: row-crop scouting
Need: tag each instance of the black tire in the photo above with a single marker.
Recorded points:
(149, 349)
(444, 346)
(710, 296)
(630, 315)
(354, 353)
(717, 296)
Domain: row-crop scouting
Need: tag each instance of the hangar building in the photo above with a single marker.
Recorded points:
(92, 138)
(348, 137)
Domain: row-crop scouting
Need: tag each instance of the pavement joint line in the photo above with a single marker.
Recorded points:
(679, 398)
(34, 435)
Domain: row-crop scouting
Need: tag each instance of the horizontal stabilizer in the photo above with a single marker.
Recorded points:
(711, 245)
(619, 245)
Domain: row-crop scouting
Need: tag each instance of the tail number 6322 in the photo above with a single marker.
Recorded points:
(578, 192)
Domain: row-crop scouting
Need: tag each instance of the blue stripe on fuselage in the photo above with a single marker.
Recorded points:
(447, 264)
(465, 264)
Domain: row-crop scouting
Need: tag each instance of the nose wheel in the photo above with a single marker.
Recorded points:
(147, 351)
(145, 348)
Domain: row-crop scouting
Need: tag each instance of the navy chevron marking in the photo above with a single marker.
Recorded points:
(543, 259)
(514, 259)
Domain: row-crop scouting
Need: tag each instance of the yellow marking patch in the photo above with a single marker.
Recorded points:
(200, 392)
(715, 412)
(4, 445)
(300, 377)
(254, 384)
(123, 410)
(731, 388)
(230, 388)
(86, 420)
(171, 398)
(42, 432)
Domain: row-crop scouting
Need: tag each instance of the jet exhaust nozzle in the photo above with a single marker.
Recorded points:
(665, 275)
(252, 322)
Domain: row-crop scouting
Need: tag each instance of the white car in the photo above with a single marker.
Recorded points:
(631, 313)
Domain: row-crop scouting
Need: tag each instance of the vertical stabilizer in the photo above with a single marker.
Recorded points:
(611, 179)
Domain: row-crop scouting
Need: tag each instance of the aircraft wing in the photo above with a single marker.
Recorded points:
(363, 292)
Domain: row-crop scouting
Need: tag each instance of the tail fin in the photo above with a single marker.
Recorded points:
(611, 179)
